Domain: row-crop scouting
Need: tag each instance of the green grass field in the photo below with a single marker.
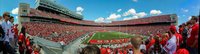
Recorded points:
(107, 36)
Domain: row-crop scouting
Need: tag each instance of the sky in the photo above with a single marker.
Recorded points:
(117, 10)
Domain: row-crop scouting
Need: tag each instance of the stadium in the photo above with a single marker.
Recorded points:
(49, 23)
(99, 26)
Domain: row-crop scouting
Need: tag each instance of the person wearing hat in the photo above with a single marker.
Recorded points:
(172, 43)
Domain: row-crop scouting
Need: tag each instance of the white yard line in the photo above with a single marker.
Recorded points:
(91, 37)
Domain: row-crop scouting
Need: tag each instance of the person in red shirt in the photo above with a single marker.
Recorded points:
(156, 47)
(20, 42)
(27, 41)
(119, 51)
(158, 34)
(28, 46)
(152, 41)
(180, 30)
(15, 34)
(164, 39)
(179, 39)
(29, 50)
(192, 40)
(21, 38)
(108, 50)
(36, 49)
(124, 51)
(103, 50)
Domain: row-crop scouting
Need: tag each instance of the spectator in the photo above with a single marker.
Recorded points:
(23, 31)
(130, 51)
(103, 49)
(36, 49)
(165, 37)
(184, 34)
(2, 35)
(124, 51)
(11, 32)
(7, 28)
(21, 43)
(1, 19)
(91, 50)
(136, 42)
(171, 45)
(152, 41)
(15, 34)
(108, 50)
(143, 47)
(192, 41)
(157, 47)
(62, 43)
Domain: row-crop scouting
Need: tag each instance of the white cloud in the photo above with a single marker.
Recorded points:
(141, 14)
(79, 13)
(129, 18)
(16, 20)
(99, 20)
(135, 0)
(130, 12)
(189, 17)
(178, 16)
(185, 10)
(79, 10)
(155, 12)
(15, 11)
(16, 17)
(113, 17)
(119, 10)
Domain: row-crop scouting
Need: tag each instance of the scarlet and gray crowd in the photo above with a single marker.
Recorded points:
(183, 40)
(11, 40)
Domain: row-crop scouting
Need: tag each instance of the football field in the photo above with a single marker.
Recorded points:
(107, 36)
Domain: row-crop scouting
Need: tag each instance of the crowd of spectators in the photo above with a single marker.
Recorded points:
(183, 40)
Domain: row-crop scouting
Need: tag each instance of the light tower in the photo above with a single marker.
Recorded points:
(24, 10)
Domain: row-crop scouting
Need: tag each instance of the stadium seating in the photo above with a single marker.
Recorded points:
(46, 30)
(153, 19)
(70, 32)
